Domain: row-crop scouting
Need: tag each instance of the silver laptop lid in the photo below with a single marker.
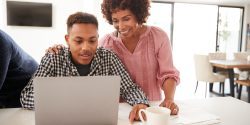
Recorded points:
(90, 100)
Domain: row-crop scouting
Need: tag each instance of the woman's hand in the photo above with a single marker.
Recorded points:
(134, 114)
(55, 48)
(171, 105)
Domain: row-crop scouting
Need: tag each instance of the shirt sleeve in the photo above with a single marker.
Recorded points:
(44, 70)
(129, 91)
(165, 60)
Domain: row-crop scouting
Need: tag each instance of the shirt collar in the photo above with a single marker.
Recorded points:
(95, 63)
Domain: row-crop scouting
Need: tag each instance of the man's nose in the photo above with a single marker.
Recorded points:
(84, 45)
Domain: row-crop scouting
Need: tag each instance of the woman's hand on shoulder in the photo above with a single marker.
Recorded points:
(55, 48)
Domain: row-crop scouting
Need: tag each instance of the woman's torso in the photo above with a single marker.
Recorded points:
(142, 64)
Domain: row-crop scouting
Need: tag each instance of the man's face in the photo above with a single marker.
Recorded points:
(82, 40)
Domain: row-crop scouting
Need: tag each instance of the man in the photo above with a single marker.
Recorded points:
(16, 69)
(81, 58)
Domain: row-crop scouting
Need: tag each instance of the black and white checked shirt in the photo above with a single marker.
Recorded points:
(104, 63)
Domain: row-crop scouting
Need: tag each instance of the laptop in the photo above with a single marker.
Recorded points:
(85, 100)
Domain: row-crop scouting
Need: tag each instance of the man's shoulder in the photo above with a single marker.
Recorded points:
(104, 53)
(62, 54)
(102, 50)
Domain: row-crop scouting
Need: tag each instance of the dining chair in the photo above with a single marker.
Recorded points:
(244, 83)
(219, 56)
(204, 72)
(243, 73)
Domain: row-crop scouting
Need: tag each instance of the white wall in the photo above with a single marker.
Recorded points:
(248, 13)
(213, 2)
(241, 3)
(246, 21)
(35, 40)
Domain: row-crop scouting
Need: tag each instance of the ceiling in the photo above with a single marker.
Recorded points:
(220, 2)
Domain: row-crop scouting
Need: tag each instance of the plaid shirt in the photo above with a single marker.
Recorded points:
(104, 63)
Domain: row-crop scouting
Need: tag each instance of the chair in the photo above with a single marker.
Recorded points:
(241, 55)
(204, 72)
(243, 73)
(219, 56)
(245, 83)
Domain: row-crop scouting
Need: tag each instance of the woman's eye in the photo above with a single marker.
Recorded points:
(115, 21)
(126, 19)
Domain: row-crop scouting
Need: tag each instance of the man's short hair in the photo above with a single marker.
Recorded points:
(81, 17)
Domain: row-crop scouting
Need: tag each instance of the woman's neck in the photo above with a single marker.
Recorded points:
(132, 41)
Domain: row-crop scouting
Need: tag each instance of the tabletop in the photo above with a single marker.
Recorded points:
(229, 64)
(230, 111)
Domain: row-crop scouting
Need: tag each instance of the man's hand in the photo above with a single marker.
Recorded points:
(134, 114)
(171, 105)
(55, 48)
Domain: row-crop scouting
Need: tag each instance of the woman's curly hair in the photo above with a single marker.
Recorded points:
(140, 8)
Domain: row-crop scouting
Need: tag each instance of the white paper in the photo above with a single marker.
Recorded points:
(197, 117)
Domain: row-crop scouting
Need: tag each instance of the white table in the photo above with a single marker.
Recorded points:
(230, 110)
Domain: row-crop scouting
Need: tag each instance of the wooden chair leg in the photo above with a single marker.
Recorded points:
(220, 87)
(196, 86)
(239, 92)
(211, 87)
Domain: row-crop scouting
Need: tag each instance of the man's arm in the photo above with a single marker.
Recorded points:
(45, 69)
(129, 90)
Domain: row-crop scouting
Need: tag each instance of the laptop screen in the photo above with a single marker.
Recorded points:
(76, 100)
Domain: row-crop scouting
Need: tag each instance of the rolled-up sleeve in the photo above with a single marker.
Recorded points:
(165, 60)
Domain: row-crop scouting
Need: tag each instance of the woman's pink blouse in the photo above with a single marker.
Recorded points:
(150, 64)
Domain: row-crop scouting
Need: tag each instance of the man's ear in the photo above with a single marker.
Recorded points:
(67, 39)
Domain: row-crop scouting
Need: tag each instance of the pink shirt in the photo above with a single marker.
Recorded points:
(151, 62)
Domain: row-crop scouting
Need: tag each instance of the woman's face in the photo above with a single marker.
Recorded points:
(124, 22)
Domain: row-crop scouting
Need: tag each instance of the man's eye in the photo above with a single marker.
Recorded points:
(78, 41)
(92, 41)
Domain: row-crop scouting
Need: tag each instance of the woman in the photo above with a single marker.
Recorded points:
(144, 50)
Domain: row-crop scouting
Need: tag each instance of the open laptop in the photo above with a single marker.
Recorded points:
(86, 100)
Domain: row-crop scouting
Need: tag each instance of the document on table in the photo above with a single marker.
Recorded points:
(187, 116)
(196, 117)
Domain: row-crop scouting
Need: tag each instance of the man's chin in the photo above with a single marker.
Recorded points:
(85, 62)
